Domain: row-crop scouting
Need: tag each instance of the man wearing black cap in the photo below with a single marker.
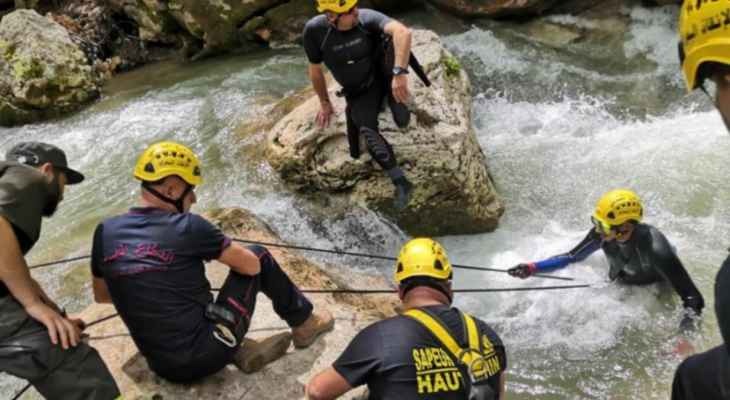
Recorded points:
(38, 342)
(706, 376)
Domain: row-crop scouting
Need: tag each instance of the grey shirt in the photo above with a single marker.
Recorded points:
(349, 55)
(23, 192)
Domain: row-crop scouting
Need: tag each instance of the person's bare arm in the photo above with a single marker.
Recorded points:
(240, 259)
(401, 42)
(402, 45)
(327, 385)
(101, 291)
(15, 275)
(319, 83)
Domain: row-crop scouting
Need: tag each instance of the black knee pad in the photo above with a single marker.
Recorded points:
(379, 148)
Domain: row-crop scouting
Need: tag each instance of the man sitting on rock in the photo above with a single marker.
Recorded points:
(149, 263)
(350, 41)
(38, 342)
(432, 351)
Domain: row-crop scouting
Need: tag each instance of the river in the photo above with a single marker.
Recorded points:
(559, 126)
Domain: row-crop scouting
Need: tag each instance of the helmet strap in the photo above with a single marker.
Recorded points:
(177, 203)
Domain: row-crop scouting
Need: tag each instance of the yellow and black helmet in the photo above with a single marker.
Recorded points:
(164, 159)
(335, 6)
(422, 257)
(704, 37)
(616, 207)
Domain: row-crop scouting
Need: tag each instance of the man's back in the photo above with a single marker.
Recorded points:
(399, 358)
(152, 263)
(704, 376)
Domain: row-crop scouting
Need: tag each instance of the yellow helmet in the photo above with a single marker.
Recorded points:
(422, 257)
(615, 208)
(335, 6)
(703, 37)
(164, 159)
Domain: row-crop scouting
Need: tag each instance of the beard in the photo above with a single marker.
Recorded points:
(53, 198)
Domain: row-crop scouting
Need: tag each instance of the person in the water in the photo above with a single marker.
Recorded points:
(637, 253)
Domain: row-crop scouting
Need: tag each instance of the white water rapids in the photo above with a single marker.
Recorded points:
(559, 126)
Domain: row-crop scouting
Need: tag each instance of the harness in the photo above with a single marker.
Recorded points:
(474, 358)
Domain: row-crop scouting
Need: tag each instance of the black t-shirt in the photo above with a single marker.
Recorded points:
(349, 55)
(399, 359)
(152, 262)
(704, 376)
(23, 193)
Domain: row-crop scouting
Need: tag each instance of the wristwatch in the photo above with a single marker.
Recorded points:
(400, 71)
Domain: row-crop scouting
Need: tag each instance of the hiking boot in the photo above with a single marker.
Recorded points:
(403, 189)
(253, 355)
(317, 324)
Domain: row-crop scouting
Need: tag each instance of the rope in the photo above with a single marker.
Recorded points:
(20, 393)
(379, 257)
(328, 251)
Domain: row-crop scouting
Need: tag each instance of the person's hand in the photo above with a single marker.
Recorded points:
(79, 323)
(684, 348)
(400, 88)
(522, 270)
(325, 114)
(60, 329)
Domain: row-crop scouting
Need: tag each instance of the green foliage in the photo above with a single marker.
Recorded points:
(452, 66)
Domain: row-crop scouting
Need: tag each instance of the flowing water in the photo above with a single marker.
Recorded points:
(559, 125)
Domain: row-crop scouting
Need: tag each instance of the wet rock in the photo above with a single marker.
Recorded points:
(152, 17)
(285, 23)
(43, 73)
(282, 379)
(494, 8)
(217, 22)
(102, 33)
(438, 151)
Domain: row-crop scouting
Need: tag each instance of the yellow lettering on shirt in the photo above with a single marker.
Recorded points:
(424, 384)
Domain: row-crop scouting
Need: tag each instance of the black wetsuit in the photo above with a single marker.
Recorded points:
(706, 376)
(353, 58)
(647, 257)
(25, 347)
(399, 359)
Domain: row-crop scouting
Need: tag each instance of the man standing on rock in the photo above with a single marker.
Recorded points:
(432, 351)
(704, 55)
(350, 43)
(38, 342)
(149, 263)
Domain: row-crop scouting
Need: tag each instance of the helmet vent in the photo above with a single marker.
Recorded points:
(611, 215)
(196, 171)
(149, 168)
(437, 265)
(400, 267)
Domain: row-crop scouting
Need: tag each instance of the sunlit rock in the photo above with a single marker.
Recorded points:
(43, 73)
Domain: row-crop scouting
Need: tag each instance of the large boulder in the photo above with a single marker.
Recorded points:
(43, 73)
(439, 152)
(283, 379)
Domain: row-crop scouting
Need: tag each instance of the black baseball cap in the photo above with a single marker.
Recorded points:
(37, 153)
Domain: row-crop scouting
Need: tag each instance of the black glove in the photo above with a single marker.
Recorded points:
(522, 270)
